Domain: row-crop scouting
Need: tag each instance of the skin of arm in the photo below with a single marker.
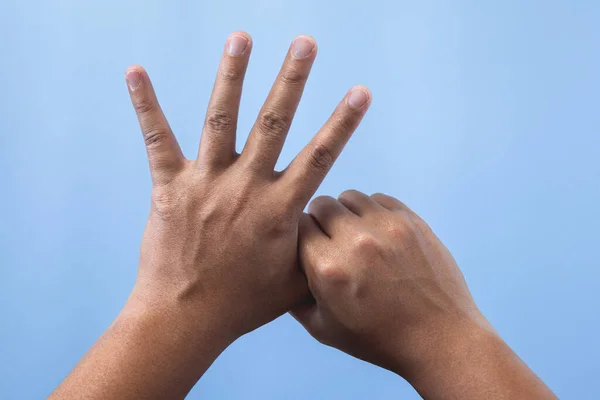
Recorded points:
(387, 291)
(219, 253)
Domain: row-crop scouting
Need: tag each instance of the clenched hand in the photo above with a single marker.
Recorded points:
(386, 290)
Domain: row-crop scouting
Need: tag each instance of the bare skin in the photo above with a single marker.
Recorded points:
(219, 258)
(219, 253)
(387, 291)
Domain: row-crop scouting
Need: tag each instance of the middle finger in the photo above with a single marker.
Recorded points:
(274, 120)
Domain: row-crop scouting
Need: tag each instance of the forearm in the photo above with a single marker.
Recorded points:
(146, 353)
(473, 362)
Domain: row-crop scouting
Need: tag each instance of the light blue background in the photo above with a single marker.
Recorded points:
(485, 119)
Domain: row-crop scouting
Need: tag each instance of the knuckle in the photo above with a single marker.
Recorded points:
(274, 123)
(320, 159)
(366, 243)
(231, 73)
(399, 230)
(144, 106)
(293, 77)
(154, 137)
(164, 202)
(403, 229)
(332, 272)
(219, 121)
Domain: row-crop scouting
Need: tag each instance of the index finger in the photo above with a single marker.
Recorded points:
(309, 168)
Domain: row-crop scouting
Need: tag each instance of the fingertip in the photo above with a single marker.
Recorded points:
(359, 97)
(303, 47)
(238, 43)
(241, 33)
(134, 76)
(134, 68)
(309, 37)
(364, 89)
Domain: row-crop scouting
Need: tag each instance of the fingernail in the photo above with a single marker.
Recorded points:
(302, 47)
(133, 79)
(237, 45)
(358, 97)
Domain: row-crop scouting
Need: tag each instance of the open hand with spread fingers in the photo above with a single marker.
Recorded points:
(219, 253)
(222, 233)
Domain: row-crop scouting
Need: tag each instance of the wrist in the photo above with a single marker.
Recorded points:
(436, 344)
(153, 349)
(192, 324)
(467, 359)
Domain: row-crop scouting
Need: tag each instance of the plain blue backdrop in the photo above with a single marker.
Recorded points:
(485, 120)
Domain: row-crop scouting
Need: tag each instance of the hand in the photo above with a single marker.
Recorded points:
(380, 277)
(387, 291)
(219, 253)
(222, 232)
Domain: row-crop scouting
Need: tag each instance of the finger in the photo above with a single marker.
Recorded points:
(274, 120)
(164, 153)
(312, 245)
(309, 168)
(312, 242)
(217, 146)
(389, 202)
(331, 215)
(393, 204)
(310, 237)
(357, 202)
